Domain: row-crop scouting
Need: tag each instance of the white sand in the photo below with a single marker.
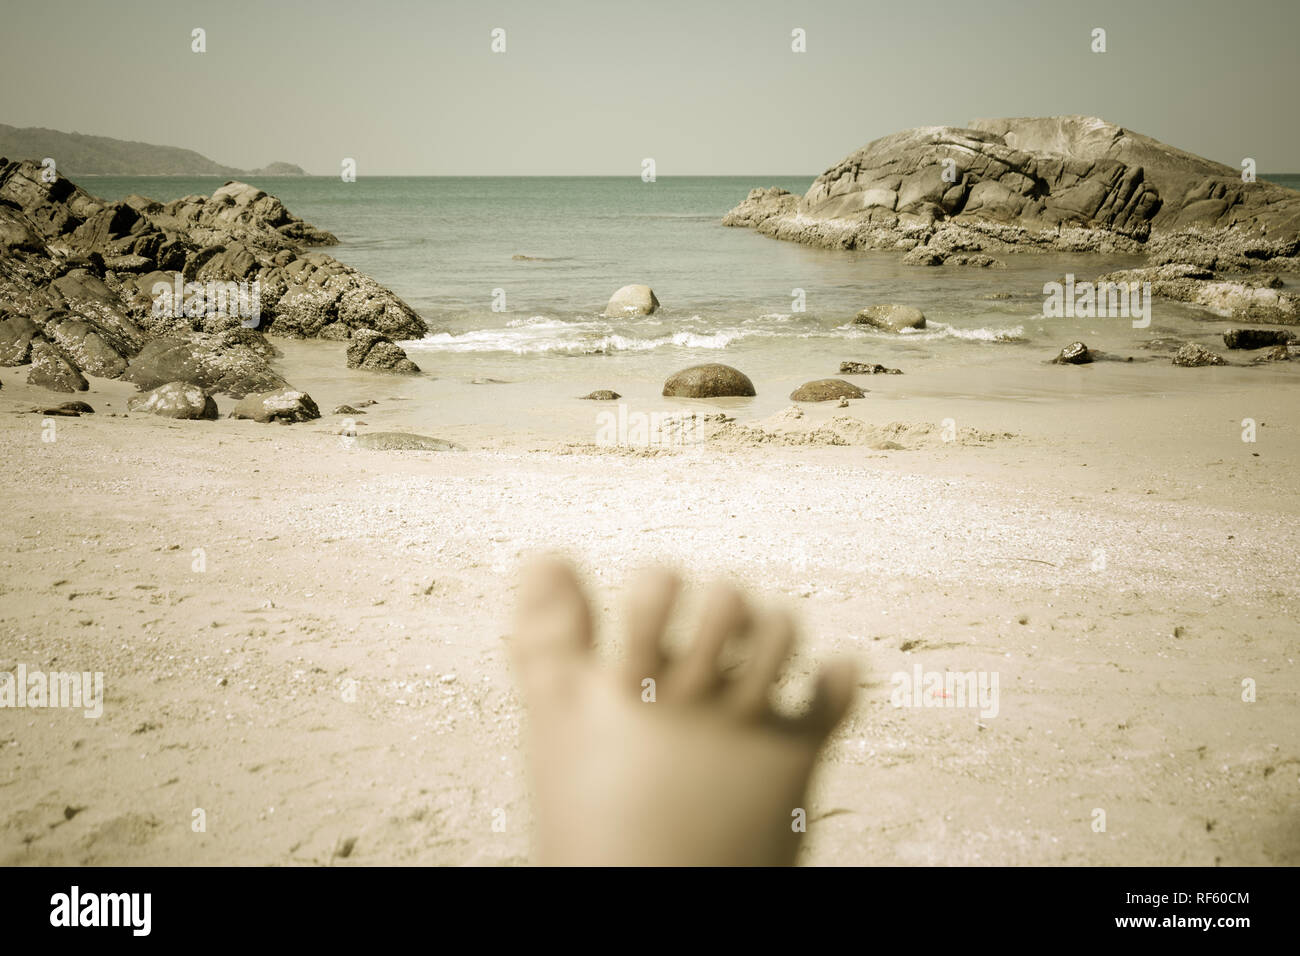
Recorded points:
(227, 689)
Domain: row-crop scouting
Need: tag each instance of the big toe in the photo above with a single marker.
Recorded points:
(552, 634)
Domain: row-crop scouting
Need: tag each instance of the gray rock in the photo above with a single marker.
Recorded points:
(211, 362)
(1280, 353)
(52, 369)
(1255, 338)
(1076, 353)
(400, 441)
(283, 405)
(632, 300)
(709, 381)
(825, 390)
(16, 333)
(602, 395)
(369, 349)
(1192, 355)
(175, 400)
(892, 318)
(1069, 183)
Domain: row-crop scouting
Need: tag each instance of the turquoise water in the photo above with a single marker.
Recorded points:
(445, 244)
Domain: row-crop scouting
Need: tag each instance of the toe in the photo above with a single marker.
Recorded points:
(836, 686)
(772, 638)
(552, 627)
(725, 617)
(649, 605)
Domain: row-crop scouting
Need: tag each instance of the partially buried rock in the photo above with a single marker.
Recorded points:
(285, 405)
(176, 400)
(891, 318)
(1278, 354)
(632, 300)
(602, 395)
(69, 409)
(709, 381)
(400, 441)
(1255, 338)
(826, 389)
(373, 350)
(867, 368)
(1192, 355)
(51, 368)
(1076, 353)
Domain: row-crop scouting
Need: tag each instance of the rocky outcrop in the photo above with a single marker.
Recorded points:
(709, 381)
(891, 318)
(284, 405)
(825, 390)
(372, 350)
(101, 279)
(1068, 183)
(175, 400)
(1253, 298)
(632, 300)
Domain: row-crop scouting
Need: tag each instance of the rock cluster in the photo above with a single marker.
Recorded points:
(90, 287)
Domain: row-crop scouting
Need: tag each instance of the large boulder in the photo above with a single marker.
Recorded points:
(175, 400)
(632, 300)
(709, 381)
(212, 362)
(825, 390)
(1255, 338)
(373, 350)
(891, 318)
(52, 369)
(284, 405)
(16, 334)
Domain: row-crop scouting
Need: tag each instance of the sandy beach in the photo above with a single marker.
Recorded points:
(332, 686)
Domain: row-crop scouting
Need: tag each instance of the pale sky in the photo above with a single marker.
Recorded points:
(592, 88)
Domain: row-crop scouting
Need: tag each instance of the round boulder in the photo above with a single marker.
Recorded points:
(825, 390)
(284, 405)
(891, 318)
(632, 300)
(175, 400)
(709, 381)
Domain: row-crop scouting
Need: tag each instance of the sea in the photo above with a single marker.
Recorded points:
(512, 275)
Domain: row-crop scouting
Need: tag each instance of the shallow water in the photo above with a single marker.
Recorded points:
(445, 244)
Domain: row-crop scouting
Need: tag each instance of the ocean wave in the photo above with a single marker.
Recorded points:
(934, 331)
(508, 340)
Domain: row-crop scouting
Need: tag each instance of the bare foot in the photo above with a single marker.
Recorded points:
(707, 773)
